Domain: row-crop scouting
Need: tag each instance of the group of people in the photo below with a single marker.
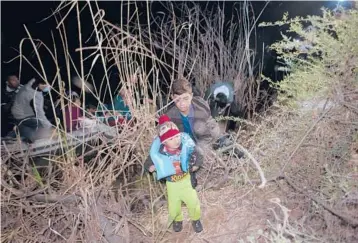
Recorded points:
(185, 133)
(23, 105)
(24, 108)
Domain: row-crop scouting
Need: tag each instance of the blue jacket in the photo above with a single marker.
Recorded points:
(121, 107)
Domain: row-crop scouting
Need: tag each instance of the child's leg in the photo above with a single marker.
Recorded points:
(191, 200)
(174, 202)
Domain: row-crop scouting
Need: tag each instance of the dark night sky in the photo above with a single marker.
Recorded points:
(15, 14)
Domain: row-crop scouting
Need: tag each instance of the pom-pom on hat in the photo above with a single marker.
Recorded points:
(167, 129)
(163, 119)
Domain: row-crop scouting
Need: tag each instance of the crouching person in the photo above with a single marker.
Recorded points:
(222, 102)
(28, 110)
(173, 155)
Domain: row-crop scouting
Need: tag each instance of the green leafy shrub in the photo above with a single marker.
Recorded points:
(324, 55)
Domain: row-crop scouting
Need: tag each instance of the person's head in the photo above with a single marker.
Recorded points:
(12, 81)
(91, 109)
(221, 100)
(124, 93)
(77, 101)
(182, 94)
(74, 98)
(169, 133)
(40, 85)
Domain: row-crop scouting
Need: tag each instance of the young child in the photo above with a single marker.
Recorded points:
(174, 155)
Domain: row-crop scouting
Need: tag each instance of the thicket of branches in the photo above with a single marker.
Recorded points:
(312, 134)
(329, 58)
(106, 197)
(209, 49)
(93, 192)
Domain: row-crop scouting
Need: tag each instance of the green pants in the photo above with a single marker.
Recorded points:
(182, 191)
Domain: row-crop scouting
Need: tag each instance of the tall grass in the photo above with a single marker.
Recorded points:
(207, 45)
(78, 200)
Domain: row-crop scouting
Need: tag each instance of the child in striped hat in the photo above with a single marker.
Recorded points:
(177, 152)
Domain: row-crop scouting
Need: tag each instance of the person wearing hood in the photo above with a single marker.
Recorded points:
(28, 109)
(221, 99)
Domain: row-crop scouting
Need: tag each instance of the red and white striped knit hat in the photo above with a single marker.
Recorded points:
(167, 129)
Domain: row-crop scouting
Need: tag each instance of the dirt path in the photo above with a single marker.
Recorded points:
(230, 214)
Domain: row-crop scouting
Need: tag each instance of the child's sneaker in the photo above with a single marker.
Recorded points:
(177, 226)
(198, 227)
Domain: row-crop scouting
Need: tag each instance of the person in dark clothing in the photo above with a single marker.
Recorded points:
(191, 114)
(7, 99)
(12, 88)
(221, 99)
(91, 111)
